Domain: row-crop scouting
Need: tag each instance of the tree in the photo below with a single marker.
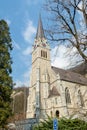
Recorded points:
(68, 24)
(6, 82)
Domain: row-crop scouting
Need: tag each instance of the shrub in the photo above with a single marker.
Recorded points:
(63, 124)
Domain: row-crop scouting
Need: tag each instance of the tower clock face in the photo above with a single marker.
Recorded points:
(44, 45)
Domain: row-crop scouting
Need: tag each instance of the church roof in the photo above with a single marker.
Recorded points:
(81, 69)
(67, 75)
(40, 30)
(53, 92)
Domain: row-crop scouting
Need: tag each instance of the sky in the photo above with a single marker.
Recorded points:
(22, 17)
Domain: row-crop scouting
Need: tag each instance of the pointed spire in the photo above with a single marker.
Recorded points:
(40, 31)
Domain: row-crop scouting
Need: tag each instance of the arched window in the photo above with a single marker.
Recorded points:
(43, 54)
(80, 97)
(46, 54)
(57, 113)
(67, 96)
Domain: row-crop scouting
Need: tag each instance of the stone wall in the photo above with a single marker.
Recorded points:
(26, 124)
(19, 102)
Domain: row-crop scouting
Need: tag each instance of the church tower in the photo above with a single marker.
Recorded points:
(39, 78)
(41, 51)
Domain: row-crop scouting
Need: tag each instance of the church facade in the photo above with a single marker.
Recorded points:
(53, 89)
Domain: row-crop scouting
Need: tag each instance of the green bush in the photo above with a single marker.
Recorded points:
(63, 124)
(72, 124)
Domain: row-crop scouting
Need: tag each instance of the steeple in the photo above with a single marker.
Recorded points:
(40, 31)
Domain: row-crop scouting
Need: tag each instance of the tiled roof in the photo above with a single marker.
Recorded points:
(70, 76)
(53, 92)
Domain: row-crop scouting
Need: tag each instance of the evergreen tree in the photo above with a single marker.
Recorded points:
(6, 82)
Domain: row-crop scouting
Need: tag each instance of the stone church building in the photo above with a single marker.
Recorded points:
(53, 89)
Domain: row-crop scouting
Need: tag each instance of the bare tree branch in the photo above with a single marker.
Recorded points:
(67, 25)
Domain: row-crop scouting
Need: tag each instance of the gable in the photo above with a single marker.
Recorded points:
(53, 92)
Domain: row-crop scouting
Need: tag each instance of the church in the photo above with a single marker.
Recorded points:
(53, 89)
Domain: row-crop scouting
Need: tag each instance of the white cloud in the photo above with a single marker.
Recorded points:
(8, 21)
(80, 5)
(20, 83)
(58, 59)
(61, 63)
(65, 57)
(29, 31)
(27, 51)
(26, 80)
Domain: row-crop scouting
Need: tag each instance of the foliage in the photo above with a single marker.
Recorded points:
(68, 24)
(44, 125)
(63, 124)
(6, 82)
(72, 124)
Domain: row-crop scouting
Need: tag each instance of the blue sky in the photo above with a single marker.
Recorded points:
(22, 17)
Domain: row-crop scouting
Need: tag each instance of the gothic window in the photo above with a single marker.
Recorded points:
(43, 54)
(67, 95)
(80, 98)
